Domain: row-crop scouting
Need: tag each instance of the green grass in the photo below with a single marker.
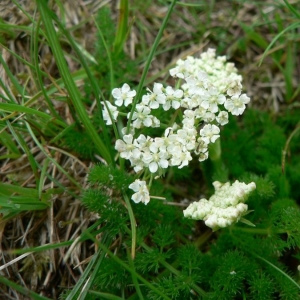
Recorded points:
(69, 229)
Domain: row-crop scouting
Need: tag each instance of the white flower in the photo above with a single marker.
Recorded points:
(141, 191)
(183, 68)
(143, 143)
(141, 116)
(188, 118)
(125, 147)
(155, 122)
(154, 98)
(136, 161)
(123, 94)
(203, 156)
(173, 98)
(113, 110)
(234, 88)
(215, 99)
(191, 102)
(124, 130)
(236, 105)
(187, 137)
(156, 160)
(208, 117)
(201, 149)
(180, 156)
(198, 83)
(222, 118)
(156, 156)
(210, 133)
(223, 208)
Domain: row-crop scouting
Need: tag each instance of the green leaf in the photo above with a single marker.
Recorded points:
(247, 222)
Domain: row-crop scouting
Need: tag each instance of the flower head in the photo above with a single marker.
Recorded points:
(123, 94)
(113, 111)
(223, 208)
(141, 191)
(141, 116)
(154, 98)
(126, 146)
(236, 105)
(210, 133)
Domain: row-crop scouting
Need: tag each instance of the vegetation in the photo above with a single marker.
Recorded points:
(69, 227)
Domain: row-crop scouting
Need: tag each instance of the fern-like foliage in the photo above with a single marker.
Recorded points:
(182, 258)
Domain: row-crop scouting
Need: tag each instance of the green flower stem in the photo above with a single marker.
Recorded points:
(123, 114)
(215, 151)
(150, 181)
(134, 278)
(148, 62)
(215, 156)
(133, 225)
(203, 238)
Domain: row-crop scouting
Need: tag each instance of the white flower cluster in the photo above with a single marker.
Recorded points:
(225, 207)
(210, 83)
(141, 191)
(210, 89)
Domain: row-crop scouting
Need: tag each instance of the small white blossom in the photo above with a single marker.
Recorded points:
(187, 137)
(198, 82)
(208, 117)
(234, 88)
(188, 118)
(137, 162)
(173, 98)
(215, 99)
(222, 118)
(203, 156)
(125, 147)
(113, 110)
(143, 143)
(183, 67)
(155, 122)
(131, 130)
(155, 98)
(141, 116)
(201, 149)
(155, 160)
(210, 133)
(123, 94)
(236, 105)
(180, 157)
(141, 191)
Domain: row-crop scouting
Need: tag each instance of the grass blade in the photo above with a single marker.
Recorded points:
(47, 17)
(22, 290)
(293, 26)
